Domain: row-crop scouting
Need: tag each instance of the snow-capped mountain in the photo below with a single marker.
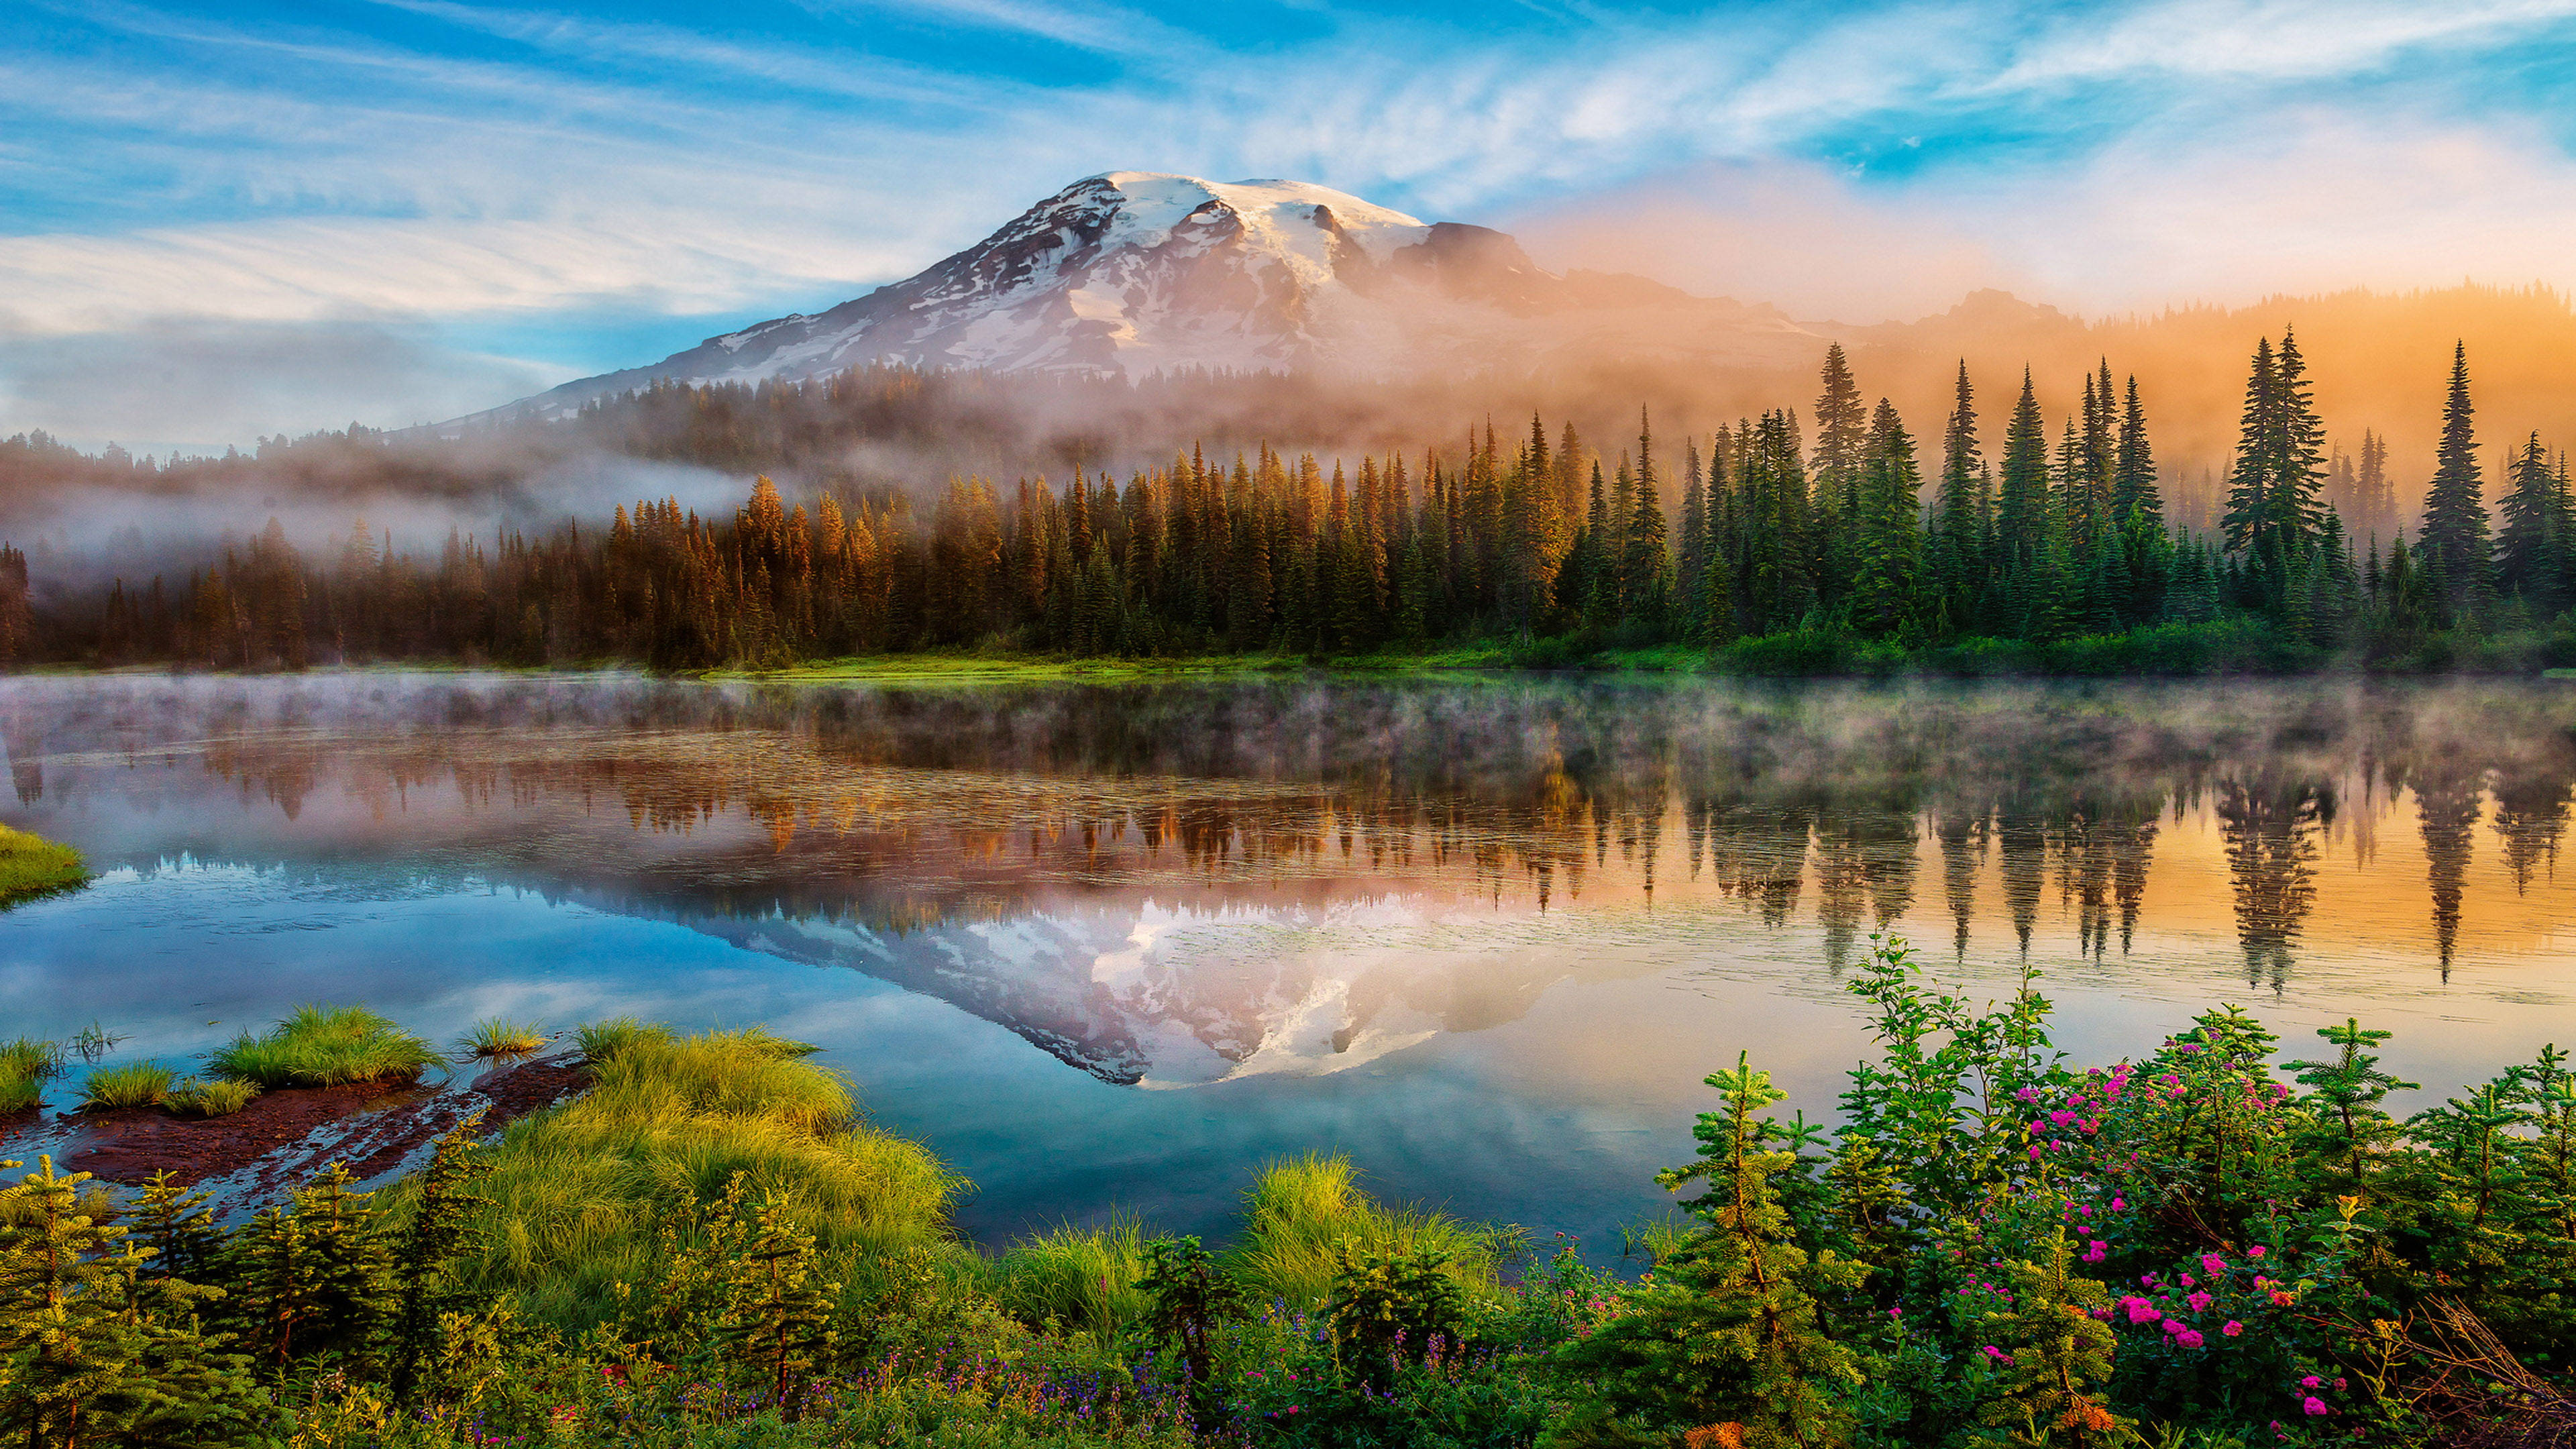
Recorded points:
(1135, 272)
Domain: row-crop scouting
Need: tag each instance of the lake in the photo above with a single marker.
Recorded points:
(1110, 947)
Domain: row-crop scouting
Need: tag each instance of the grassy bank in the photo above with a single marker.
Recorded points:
(2200, 1246)
(32, 867)
(2233, 646)
(583, 1196)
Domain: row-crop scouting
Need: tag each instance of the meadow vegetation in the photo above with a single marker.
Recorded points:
(32, 867)
(2221, 1240)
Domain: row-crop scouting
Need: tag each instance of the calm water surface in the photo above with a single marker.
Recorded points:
(1111, 947)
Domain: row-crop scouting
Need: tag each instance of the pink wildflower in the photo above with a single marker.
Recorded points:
(2233, 1328)
(2310, 1382)
(2316, 1407)
(2213, 1263)
(2254, 1252)
(2200, 1302)
(2190, 1338)
(2140, 1310)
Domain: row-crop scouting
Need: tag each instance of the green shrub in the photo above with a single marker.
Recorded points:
(193, 1098)
(128, 1084)
(497, 1036)
(325, 1046)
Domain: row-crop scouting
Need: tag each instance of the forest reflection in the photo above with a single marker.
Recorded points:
(902, 810)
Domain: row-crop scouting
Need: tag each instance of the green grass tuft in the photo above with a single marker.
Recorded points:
(602, 1040)
(19, 1090)
(28, 1057)
(579, 1192)
(130, 1084)
(325, 1046)
(32, 867)
(1303, 1211)
(193, 1098)
(496, 1036)
(1082, 1278)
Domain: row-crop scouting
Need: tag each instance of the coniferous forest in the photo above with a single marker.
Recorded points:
(1836, 539)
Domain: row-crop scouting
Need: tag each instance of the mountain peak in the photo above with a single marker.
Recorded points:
(1133, 272)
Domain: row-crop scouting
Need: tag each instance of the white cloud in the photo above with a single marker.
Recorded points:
(194, 383)
(652, 167)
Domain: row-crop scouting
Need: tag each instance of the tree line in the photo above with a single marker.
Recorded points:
(1774, 525)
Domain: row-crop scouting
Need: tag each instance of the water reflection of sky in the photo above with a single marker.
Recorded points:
(1485, 937)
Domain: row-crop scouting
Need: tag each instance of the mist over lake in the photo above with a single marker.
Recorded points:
(1111, 947)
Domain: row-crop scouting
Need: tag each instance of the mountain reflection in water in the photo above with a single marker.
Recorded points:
(1179, 884)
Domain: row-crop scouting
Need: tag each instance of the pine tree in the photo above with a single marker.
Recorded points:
(430, 1249)
(1958, 564)
(1600, 586)
(2454, 536)
(1645, 571)
(95, 1347)
(2022, 507)
(2135, 497)
(2528, 546)
(2056, 1357)
(1842, 451)
(778, 1309)
(1729, 1331)
(2347, 1130)
(1883, 589)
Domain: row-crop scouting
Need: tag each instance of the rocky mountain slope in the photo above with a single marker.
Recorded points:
(1139, 272)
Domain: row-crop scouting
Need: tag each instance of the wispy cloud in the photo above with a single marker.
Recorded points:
(459, 161)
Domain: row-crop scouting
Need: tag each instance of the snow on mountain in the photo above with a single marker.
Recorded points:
(1136, 272)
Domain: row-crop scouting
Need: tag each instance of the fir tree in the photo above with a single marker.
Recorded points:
(2056, 1356)
(2348, 1130)
(2528, 547)
(1646, 565)
(429, 1252)
(2454, 537)
(1883, 590)
(1729, 1332)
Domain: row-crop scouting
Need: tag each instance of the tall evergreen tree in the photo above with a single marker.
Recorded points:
(1646, 565)
(2454, 538)
(1959, 562)
(2021, 507)
(2529, 545)
(2135, 498)
(1883, 588)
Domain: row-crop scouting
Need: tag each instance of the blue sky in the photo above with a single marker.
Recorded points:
(220, 220)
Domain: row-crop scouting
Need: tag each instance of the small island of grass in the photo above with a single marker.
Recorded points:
(32, 867)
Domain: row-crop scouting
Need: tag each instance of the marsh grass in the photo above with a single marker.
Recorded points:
(497, 1036)
(26, 1064)
(195, 1098)
(601, 1040)
(325, 1046)
(1303, 1214)
(1081, 1278)
(128, 1084)
(32, 867)
(580, 1193)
